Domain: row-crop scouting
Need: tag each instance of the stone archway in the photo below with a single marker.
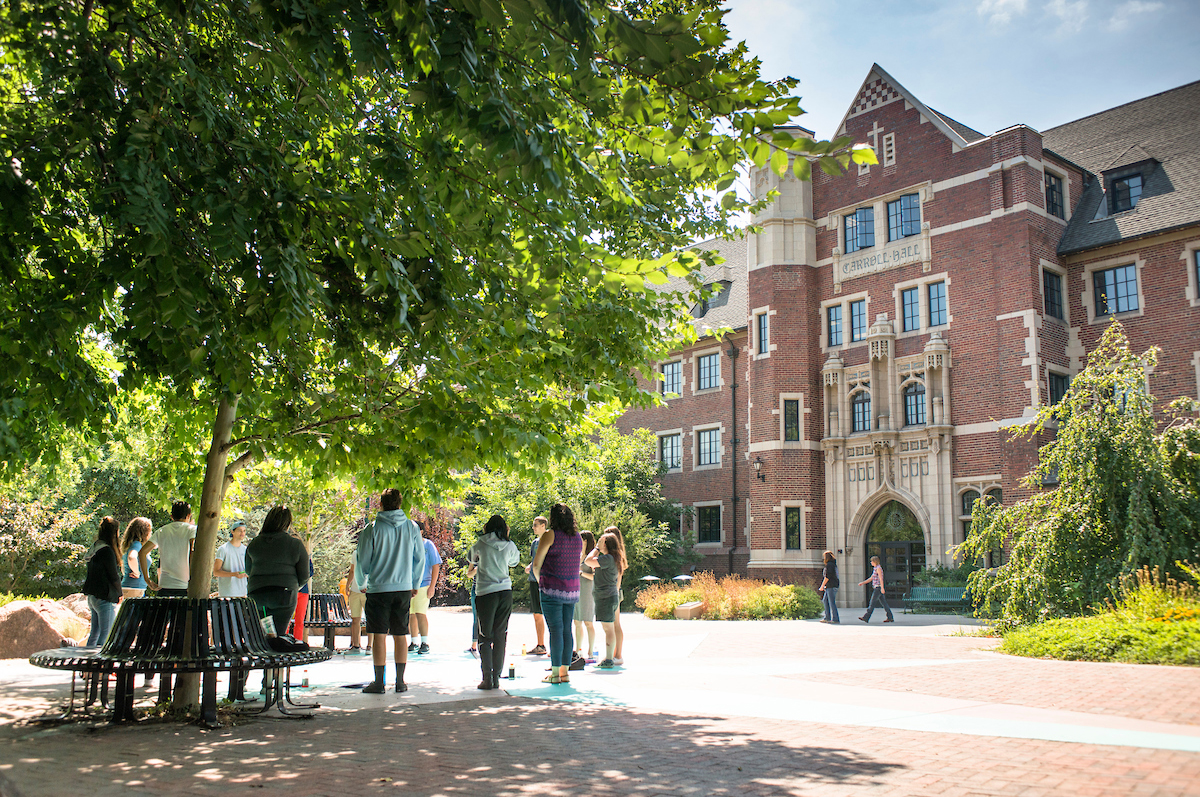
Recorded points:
(896, 535)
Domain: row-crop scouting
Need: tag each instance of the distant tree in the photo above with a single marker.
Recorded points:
(609, 479)
(37, 554)
(1127, 496)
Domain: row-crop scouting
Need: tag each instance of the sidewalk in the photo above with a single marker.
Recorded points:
(699, 708)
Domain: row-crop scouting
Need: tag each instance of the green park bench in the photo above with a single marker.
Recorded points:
(920, 598)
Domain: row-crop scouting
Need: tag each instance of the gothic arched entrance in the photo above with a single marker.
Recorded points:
(896, 537)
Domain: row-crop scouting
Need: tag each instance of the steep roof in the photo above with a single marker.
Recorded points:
(1160, 128)
(730, 307)
(879, 89)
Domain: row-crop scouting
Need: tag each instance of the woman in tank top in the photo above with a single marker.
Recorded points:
(556, 567)
(137, 534)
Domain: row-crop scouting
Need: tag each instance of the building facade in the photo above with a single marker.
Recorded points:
(894, 325)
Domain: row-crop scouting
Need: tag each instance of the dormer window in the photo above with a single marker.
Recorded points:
(719, 297)
(1125, 192)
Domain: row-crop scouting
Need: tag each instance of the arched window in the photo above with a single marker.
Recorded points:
(861, 406)
(914, 404)
(994, 558)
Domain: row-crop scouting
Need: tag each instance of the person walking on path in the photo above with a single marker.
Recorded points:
(174, 542)
(585, 612)
(492, 555)
(535, 597)
(556, 568)
(608, 563)
(229, 566)
(878, 595)
(829, 589)
(137, 534)
(390, 562)
(276, 565)
(103, 583)
(419, 618)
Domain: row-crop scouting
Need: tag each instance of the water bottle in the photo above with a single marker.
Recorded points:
(304, 681)
(512, 672)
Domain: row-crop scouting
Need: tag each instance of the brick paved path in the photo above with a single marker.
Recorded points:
(444, 739)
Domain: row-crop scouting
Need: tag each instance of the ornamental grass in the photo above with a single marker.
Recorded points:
(731, 598)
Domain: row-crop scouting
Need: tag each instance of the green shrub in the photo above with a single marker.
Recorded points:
(1156, 620)
(8, 597)
(662, 605)
(1108, 637)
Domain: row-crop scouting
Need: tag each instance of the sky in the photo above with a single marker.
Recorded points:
(989, 64)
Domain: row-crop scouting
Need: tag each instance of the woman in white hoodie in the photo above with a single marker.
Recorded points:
(493, 554)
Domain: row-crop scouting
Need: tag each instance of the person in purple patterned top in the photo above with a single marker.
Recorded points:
(556, 568)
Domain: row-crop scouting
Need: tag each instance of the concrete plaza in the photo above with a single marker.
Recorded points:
(699, 708)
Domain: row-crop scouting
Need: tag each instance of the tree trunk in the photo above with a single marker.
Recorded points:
(212, 496)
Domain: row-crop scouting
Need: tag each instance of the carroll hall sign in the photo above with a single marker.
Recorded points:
(914, 249)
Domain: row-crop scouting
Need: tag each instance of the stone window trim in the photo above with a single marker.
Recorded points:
(1061, 271)
(962, 487)
(844, 302)
(1089, 298)
(662, 385)
(695, 363)
(658, 448)
(1051, 372)
(719, 428)
(1196, 365)
(1062, 175)
(803, 510)
(833, 220)
(1191, 263)
(754, 327)
(804, 410)
(922, 283)
(924, 410)
(850, 403)
(696, 506)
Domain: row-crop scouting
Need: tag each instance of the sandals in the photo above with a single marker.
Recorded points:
(556, 679)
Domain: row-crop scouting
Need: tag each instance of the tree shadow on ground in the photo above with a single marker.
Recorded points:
(498, 746)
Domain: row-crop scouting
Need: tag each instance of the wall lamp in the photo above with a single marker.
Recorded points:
(758, 463)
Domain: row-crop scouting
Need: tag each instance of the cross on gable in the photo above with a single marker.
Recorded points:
(874, 133)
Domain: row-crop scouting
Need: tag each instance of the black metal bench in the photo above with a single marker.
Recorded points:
(330, 612)
(173, 636)
(937, 597)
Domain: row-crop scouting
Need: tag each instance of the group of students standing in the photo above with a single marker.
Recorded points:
(273, 570)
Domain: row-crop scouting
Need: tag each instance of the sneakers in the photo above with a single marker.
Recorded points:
(424, 648)
(374, 688)
(412, 647)
(607, 664)
(577, 663)
(400, 687)
(617, 660)
(540, 650)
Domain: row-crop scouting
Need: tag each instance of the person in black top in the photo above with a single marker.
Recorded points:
(829, 588)
(103, 583)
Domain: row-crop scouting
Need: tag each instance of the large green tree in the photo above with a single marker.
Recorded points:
(392, 238)
(1128, 496)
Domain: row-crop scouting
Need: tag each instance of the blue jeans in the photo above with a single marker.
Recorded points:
(878, 598)
(830, 601)
(559, 619)
(103, 614)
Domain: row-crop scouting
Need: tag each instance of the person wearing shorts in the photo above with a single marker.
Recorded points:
(418, 625)
(356, 599)
(607, 561)
(391, 561)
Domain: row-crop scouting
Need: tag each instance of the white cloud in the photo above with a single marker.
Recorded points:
(1126, 12)
(1071, 14)
(1001, 12)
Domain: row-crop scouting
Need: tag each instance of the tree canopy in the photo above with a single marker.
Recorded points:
(1128, 496)
(389, 239)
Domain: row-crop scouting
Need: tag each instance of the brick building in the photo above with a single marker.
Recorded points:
(893, 324)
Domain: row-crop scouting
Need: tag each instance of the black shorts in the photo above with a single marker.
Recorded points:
(606, 606)
(535, 599)
(387, 612)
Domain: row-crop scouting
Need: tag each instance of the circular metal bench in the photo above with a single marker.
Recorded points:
(173, 636)
(330, 612)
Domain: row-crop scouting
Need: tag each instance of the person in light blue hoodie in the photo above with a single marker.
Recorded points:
(390, 561)
(493, 554)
